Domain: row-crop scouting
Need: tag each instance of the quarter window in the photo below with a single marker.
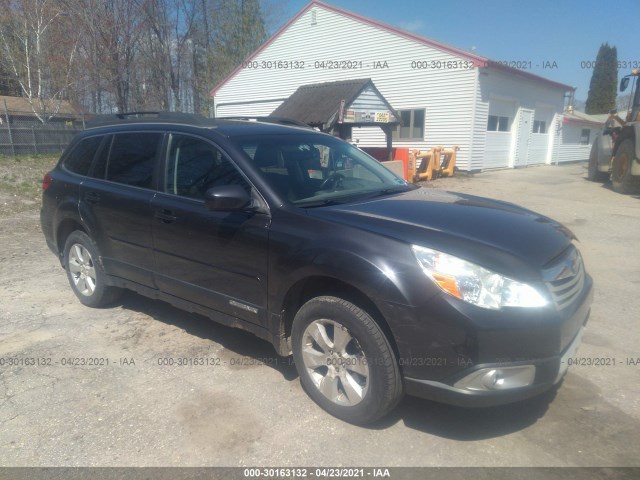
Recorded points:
(133, 158)
(80, 158)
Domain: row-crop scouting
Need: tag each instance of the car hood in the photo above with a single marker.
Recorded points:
(465, 225)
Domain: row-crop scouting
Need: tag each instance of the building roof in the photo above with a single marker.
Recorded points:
(580, 117)
(478, 61)
(20, 105)
(319, 104)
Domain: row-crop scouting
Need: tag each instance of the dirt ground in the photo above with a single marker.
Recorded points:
(85, 387)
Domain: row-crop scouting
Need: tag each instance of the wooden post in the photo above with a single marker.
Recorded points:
(6, 114)
(388, 131)
(35, 144)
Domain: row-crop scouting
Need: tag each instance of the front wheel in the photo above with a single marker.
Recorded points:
(345, 361)
(621, 178)
(85, 274)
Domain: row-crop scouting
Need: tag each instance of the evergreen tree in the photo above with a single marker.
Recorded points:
(604, 81)
(240, 30)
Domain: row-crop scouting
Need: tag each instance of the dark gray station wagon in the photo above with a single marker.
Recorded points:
(375, 286)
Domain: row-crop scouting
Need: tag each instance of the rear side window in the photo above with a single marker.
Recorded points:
(80, 158)
(132, 158)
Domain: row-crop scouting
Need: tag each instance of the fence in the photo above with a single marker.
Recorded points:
(22, 134)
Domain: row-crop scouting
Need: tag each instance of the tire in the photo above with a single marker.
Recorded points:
(354, 374)
(593, 174)
(621, 178)
(84, 272)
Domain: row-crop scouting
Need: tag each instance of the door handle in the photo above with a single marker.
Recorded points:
(92, 197)
(165, 215)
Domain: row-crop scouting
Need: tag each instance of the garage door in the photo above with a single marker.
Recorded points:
(499, 127)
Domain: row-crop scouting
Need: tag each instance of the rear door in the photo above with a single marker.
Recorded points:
(115, 204)
(215, 259)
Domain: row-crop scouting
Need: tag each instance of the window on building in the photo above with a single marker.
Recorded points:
(539, 126)
(498, 123)
(411, 125)
(584, 136)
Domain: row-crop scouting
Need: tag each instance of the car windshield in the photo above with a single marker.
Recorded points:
(315, 170)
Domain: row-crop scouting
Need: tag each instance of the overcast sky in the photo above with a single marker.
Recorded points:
(536, 33)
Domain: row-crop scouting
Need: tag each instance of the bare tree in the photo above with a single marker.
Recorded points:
(38, 47)
(170, 25)
(126, 54)
(111, 33)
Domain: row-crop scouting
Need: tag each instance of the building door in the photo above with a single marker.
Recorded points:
(523, 142)
(500, 124)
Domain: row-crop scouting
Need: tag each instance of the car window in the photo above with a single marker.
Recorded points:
(80, 158)
(132, 158)
(194, 166)
(306, 169)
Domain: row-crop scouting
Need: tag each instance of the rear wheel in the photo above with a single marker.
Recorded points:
(593, 173)
(85, 274)
(344, 360)
(621, 178)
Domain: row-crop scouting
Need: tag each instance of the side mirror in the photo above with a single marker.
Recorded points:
(227, 198)
(624, 83)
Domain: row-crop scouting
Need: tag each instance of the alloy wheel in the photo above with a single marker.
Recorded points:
(335, 362)
(82, 269)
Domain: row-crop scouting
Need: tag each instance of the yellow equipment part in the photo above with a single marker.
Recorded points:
(432, 163)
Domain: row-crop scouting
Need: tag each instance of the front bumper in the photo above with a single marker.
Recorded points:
(546, 344)
(549, 372)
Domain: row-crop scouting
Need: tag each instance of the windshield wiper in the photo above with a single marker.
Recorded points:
(319, 203)
(388, 191)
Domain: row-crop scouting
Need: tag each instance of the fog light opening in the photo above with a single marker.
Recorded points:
(502, 378)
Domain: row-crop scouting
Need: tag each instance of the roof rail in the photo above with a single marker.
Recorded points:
(146, 117)
(278, 120)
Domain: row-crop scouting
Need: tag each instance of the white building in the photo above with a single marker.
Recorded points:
(498, 116)
(573, 134)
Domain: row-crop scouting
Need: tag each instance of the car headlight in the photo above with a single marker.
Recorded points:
(475, 284)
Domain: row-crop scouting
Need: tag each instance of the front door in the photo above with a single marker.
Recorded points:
(214, 259)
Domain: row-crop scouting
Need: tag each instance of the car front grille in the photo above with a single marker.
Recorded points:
(565, 278)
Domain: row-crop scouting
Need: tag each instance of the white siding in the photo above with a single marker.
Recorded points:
(258, 109)
(446, 95)
(495, 90)
(567, 146)
(369, 101)
(479, 128)
(538, 146)
(497, 152)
